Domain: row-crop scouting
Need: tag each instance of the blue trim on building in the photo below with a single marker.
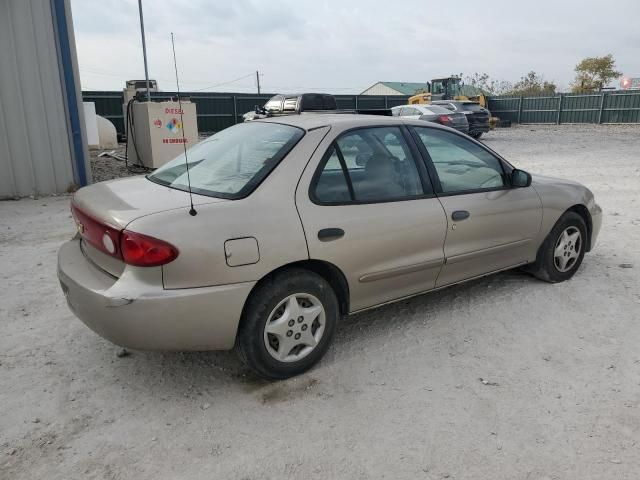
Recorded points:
(70, 89)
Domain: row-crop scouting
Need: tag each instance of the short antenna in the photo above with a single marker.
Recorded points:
(192, 211)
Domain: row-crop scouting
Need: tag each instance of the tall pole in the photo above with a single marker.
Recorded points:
(258, 81)
(144, 50)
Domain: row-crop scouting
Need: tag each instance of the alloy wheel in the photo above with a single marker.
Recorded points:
(295, 327)
(568, 249)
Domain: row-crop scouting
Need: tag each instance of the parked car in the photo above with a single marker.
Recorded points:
(477, 116)
(301, 219)
(433, 113)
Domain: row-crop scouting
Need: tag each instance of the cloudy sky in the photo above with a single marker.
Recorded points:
(345, 46)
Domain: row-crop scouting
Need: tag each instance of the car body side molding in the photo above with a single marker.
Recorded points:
(393, 272)
(486, 251)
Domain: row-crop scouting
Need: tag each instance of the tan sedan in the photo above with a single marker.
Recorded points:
(304, 218)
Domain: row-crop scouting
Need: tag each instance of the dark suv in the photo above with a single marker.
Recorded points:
(477, 116)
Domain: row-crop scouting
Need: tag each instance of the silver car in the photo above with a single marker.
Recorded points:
(433, 113)
(298, 220)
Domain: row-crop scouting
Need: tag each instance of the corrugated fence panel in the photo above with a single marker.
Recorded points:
(621, 108)
(539, 110)
(367, 102)
(108, 105)
(601, 107)
(580, 108)
(506, 108)
(395, 100)
(346, 102)
(217, 111)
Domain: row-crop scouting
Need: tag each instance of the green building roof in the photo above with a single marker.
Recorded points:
(406, 88)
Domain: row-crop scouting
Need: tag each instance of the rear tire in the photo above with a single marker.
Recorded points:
(562, 252)
(288, 324)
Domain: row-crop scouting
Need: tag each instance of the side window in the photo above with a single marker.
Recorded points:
(410, 111)
(331, 186)
(369, 165)
(461, 165)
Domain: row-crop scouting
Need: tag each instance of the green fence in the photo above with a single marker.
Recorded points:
(217, 111)
(221, 110)
(602, 107)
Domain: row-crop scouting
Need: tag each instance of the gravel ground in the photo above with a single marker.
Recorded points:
(398, 396)
(107, 168)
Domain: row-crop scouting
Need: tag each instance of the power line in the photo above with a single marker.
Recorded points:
(225, 83)
(121, 76)
(312, 88)
(265, 88)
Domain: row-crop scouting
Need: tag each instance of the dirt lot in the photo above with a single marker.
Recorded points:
(398, 396)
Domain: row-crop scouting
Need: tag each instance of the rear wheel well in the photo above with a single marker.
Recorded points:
(586, 216)
(332, 274)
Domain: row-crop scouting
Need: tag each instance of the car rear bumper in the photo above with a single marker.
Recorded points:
(135, 311)
(479, 127)
(461, 128)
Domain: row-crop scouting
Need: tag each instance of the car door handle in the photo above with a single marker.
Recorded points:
(459, 215)
(328, 234)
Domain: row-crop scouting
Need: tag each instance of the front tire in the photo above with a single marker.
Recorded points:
(288, 324)
(562, 252)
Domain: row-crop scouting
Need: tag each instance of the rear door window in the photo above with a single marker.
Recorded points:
(376, 165)
(332, 186)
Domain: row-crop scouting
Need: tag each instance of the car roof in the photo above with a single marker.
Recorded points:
(462, 102)
(311, 120)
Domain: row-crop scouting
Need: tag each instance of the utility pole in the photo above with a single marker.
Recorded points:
(144, 50)
(258, 81)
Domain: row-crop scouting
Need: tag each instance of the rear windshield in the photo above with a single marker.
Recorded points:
(231, 163)
(472, 107)
(438, 110)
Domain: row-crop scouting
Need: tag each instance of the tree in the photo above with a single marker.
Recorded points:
(594, 73)
(532, 84)
(487, 84)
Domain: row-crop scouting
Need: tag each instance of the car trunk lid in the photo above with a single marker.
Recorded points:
(458, 119)
(119, 202)
(102, 211)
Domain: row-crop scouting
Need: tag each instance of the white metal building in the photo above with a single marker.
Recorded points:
(42, 143)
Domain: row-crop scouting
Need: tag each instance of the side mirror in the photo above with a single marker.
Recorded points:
(520, 178)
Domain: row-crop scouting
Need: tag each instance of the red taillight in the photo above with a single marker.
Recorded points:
(131, 247)
(97, 233)
(144, 251)
(444, 119)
